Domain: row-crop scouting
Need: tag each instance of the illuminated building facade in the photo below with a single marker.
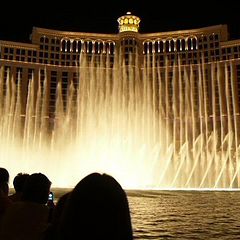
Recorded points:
(55, 54)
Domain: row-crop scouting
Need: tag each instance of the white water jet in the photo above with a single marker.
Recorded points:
(149, 127)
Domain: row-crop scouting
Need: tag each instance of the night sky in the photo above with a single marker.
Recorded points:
(17, 19)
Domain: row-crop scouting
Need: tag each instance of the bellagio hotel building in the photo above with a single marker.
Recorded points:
(55, 54)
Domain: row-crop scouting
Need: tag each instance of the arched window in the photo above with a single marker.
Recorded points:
(41, 39)
(68, 46)
(161, 46)
(79, 46)
(100, 47)
(90, 47)
(157, 47)
(189, 42)
(167, 46)
(74, 46)
(63, 45)
(110, 48)
(194, 43)
(178, 45)
(150, 47)
(145, 48)
(85, 49)
(172, 46)
(183, 44)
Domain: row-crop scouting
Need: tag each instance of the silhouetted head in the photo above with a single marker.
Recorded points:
(97, 209)
(4, 179)
(19, 181)
(36, 188)
(4, 175)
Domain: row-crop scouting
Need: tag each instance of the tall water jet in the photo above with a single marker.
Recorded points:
(147, 125)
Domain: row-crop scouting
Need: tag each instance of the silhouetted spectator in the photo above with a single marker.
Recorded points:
(18, 183)
(5, 202)
(28, 219)
(50, 233)
(51, 205)
(97, 209)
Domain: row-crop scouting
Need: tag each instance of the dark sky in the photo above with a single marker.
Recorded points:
(17, 19)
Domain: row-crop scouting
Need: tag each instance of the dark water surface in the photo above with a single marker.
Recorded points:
(184, 214)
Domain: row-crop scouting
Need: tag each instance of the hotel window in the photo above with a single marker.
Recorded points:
(30, 73)
(19, 72)
(64, 88)
(53, 87)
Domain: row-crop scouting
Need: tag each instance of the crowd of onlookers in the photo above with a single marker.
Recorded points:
(95, 209)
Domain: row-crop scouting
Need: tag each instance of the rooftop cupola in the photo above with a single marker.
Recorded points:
(128, 23)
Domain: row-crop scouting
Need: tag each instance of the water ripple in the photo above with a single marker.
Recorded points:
(185, 215)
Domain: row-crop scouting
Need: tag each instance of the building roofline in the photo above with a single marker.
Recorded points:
(230, 43)
(59, 33)
(222, 28)
(19, 44)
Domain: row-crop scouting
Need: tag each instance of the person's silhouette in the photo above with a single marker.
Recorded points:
(5, 202)
(18, 183)
(96, 209)
(28, 219)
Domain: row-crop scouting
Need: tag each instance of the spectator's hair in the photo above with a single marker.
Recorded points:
(4, 175)
(19, 181)
(97, 209)
(36, 188)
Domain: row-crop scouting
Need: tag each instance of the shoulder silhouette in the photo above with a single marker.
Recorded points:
(97, 208)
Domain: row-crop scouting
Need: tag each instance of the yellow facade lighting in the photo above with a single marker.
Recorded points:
(128, 22)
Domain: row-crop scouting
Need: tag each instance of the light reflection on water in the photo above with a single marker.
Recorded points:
(184, 214)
